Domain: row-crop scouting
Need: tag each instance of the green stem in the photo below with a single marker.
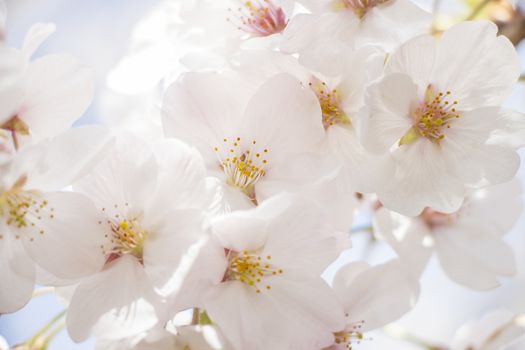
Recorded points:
(44, 329)
(52, 335)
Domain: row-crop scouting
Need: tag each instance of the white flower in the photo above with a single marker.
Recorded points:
(274, 255)
(237, 19)
(248, 142)
(53, 92)
(494, 331)
(437, 112)
(468, 243)
(151, 209)
(324, 39)
(372, 296)
(37, 223)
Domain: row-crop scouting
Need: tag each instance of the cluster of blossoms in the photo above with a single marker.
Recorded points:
(290, 118)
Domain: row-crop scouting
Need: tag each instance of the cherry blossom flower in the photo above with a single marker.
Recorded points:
(468, 243)
(245, 140)
(372, 296)
(151, 208)
(273, 257)
(336, 27)
(436, 112)
(54, 90)
(38, 222)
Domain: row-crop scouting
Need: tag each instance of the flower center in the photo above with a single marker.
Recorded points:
(432, 117)
(250, 268)
(242, 164)
(350, 336)
(330, 103)
(359, 7)
(125, 236)
(259, 17)
(23, 209)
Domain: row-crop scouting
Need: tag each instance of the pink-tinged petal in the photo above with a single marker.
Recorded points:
(17, 271)
(390, 103)
(115, 303)
(168, 242)
(421, 180)
(35, 36)
(469, 157)
(11, 84)
(473, 257)
(202, 109)
(415, 58)
(378, 295)
(58, 91)
(479, 68)
(66, 236)
(283, 117)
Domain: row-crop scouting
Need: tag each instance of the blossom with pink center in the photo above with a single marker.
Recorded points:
(439, 118)
(259, 17)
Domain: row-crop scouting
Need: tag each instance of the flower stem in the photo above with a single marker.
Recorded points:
(37, 336)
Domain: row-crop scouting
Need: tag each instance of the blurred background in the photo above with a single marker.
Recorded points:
(101, 32)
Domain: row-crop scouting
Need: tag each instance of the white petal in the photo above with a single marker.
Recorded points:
(168, 242)
(17, 271)
(113, 304)
(510, 131)
(124, 181)
(479, 68)
(35, 36)
(68, 157)
(58, 90)
(299, 237)
(378, 295)
(390, 103)
(11, 85)
(284, 117)
(201, 109)
(473, 257)
(415, 58)
(202, 267)
(407, 236)
(470, 158)
(66, 237)
(404, 15)
(182, 174)
(421, 180)
(241, 231)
